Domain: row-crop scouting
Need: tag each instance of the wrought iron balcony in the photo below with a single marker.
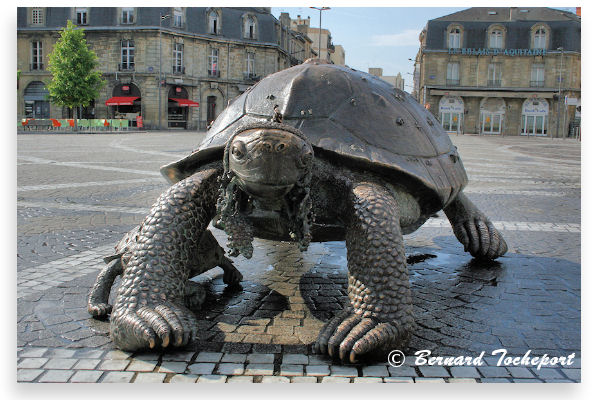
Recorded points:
(494, 82)
(452, 82)
(126, 67)
(178, 70)
(251, 77)
(36, 67)
(214, 72)
(536, 83)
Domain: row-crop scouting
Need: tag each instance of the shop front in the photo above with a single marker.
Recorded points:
(36, 100)
(534, 117)
(179, 107)
(126, 103)
(451, 113)
(491, 115)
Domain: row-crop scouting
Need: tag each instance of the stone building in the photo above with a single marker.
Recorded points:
(207, 57)
(502, 70)
(396, 81)
(326, 48)
(339, 55)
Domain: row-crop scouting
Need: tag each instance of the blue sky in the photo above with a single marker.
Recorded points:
(384, 37)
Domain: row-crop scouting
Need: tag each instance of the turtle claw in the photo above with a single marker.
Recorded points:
(481, 238)
(348, 336)
(99, 310)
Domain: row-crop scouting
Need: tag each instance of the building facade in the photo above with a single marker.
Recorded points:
(396, 81)
(321, 38)
(502, 71)
(339, 55)
(202, 58)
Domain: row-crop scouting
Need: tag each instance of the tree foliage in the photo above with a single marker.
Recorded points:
(72, 64)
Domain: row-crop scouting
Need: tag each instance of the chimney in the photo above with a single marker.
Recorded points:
(578, 11)
(513, 13)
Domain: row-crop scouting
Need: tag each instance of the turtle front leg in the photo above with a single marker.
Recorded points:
(379, 317)
(149, 309)
(474, 230)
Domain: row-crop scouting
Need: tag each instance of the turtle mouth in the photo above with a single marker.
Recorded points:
(264, 190)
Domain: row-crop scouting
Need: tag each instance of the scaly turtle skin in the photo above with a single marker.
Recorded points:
(316, 152)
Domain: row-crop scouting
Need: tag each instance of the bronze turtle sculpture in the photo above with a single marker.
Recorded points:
(316, 152)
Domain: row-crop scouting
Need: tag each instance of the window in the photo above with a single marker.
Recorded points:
(495, 75)
(127, 15)
(496, 37)
(249, 27)
(37, 61)
(213, 22)
(539, 38)
(81, 16)
(178, 58)
(177, 17)
(213, 62)
(454, 39)
(127, 55)
(452, 75)
(250, 65)
(37, 16)
(537, 75)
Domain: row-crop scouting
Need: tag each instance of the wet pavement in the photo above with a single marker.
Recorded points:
(78, 194)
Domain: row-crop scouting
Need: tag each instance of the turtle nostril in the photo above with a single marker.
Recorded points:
(267, 146)
(280, 147)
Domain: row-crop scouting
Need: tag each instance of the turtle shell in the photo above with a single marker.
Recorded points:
(349, 115)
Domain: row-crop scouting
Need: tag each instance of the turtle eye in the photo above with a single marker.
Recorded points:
(306, 157)
(238, 150)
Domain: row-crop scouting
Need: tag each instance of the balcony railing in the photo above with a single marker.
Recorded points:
(214, 72)
(536, 83)
(494, 83)
(452, 82)
(126, 67)
(178, 70)
(36, 67)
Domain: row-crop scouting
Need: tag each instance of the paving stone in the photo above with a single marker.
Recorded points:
(403, 370)
(118, 377)
(317, 370)
(28, 375)
(337, 370)
(255, 358)
(60, 353)
(150, 377)
(212, 357)
(304, 379)
(368, 380)
(212, 379)
(117, 355)
(462, 380)
(519, 380)
(175, 367)
(184, 378)
(141, 366)
(432, 371)
(494, 372)
(429, 380)
(494, 380)
(114, 365)
(317, 360)
(275, 379)
(32, 363)
(233, 358)
(60, 363)
(291, 370)
(178, 356)
(375, 370)
(33, 352)
(295, 359)
(548, 373)
(56, 376)
(86, 376)
(520, 372)
(464, 372)
(259, 369)
(335, 379)
(202, 368)
(230, 369)
(398, 379)
(240, 379)
(574, 374)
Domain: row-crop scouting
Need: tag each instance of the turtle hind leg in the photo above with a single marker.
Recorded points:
(474, 230)
(379, 316)
(211, 255)
(97, 303)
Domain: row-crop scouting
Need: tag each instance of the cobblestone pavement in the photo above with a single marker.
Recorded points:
(78, 194)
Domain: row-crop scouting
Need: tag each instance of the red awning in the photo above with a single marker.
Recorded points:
(185, 102)
(121, 101)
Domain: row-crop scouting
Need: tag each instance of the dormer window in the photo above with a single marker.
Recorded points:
(455, 38)
(539, 38)
(213, 22)
(37, 16)
(496, 37)
(249, 27)
(177, 17)
(81, 16)
(127, 15)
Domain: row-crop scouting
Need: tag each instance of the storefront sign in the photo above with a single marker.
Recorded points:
(571, 101)
(125, 88)
(497, 52)
(139, 121)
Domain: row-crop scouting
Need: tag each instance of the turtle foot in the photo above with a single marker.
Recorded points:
(99, 310)
(158, 325)
(481, 238)
(348, 336)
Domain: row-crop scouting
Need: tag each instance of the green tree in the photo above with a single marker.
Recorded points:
(72, 64)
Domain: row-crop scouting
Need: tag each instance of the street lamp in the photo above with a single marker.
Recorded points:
(160, 69)
(321, 9)
(559, 91)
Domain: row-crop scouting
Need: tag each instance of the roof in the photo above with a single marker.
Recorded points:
(506, 14)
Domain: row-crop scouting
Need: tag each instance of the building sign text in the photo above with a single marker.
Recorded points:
(497, 52)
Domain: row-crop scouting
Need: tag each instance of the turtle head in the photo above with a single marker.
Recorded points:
(272, 163)
(268, 162)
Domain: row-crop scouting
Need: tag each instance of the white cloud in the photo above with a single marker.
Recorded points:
(408, 37)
